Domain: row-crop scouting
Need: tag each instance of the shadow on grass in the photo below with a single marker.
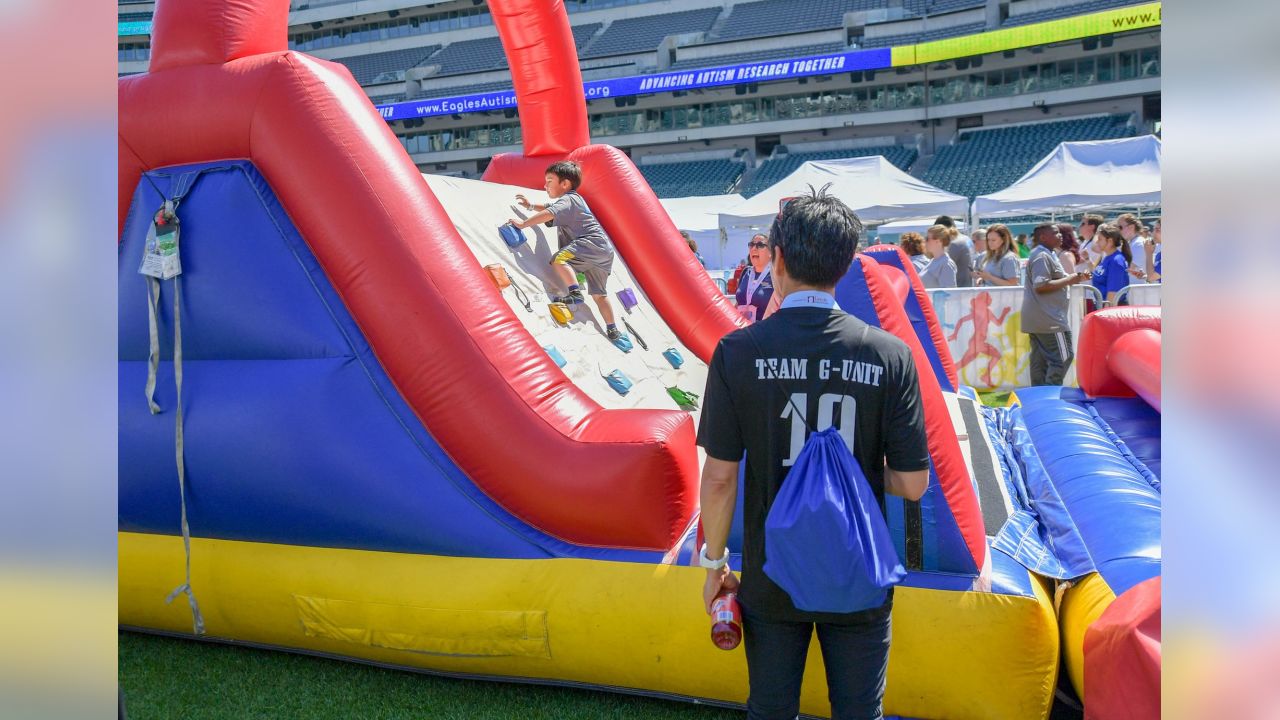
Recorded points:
(165, 678)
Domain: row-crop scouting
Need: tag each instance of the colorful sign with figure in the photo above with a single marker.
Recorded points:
(984, 332)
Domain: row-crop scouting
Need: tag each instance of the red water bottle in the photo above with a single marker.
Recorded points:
(726, 620)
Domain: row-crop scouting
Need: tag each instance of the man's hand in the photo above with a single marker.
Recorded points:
(524, 201)
(717, 580)
(516, 222)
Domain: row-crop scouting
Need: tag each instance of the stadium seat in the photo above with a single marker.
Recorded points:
(486, 53)
(770, 17)
(386, 66)
(758, 55)
(984, 161)
(642, 34)
(926, 36)
(697, 177)
(1061, 11)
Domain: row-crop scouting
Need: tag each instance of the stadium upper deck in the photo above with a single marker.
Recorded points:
(728, 78)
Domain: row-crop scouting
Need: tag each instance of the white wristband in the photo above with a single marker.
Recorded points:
(710, 564)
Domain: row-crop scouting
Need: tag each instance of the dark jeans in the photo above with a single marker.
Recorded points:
(1051, 356)
(856, 657)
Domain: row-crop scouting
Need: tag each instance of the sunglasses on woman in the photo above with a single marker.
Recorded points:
(758, 244)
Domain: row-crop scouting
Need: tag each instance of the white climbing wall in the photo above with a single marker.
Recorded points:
(478, 209)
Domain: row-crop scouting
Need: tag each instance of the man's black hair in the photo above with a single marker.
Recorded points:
(567, 170)
(818, 235)
(1042, 228)
(945, 220)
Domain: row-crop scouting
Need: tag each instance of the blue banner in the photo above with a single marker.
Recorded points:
(763, 71)
(126, 29)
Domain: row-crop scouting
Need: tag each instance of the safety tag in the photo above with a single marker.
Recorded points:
(160, 256)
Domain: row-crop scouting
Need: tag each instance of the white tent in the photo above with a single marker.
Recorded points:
(876, 189)
(918, 225)
(1080, 176)
(700, 217)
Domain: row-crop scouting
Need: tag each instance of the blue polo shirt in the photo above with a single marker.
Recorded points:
(1112, 274)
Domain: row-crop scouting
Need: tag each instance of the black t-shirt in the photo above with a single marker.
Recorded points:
(821, 358)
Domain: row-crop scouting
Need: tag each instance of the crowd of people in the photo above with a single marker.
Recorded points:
(1109, 255)
(1114, 254)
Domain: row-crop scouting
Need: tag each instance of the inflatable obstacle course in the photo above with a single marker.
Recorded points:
(392, 457)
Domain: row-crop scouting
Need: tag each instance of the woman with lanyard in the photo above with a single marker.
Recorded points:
(756, 288)
(1112, 272)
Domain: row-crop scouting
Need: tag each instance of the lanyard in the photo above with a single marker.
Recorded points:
(753, 284)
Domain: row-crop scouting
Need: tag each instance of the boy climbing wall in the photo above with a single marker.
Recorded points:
(589, 249)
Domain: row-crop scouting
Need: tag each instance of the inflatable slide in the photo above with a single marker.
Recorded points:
(1090, 460)
(339, 436)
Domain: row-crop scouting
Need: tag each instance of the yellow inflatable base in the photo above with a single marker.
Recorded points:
(1083, 603)
(620, 626)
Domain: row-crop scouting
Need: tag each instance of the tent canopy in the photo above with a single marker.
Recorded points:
(699, 213)
(1080, 176)
(700, 217)
(918, 225)
(876, 189)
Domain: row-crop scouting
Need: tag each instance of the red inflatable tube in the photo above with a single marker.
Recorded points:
(1099, 333)
(944, 446)
(544, 69)
(1135, 359)
(1122, 657)
(926, 305)
(487, 392)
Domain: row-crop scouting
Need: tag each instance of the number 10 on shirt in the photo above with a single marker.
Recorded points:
(827, 403)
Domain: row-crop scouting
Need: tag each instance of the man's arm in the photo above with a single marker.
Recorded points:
(719, 493)
(906, 484)
(1049, 286)
(718, 496)
(720, 435)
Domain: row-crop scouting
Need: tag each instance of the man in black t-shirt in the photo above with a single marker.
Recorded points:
(837, 371)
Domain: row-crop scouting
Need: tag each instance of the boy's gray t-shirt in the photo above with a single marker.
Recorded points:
(572, 215)
(1044, 313)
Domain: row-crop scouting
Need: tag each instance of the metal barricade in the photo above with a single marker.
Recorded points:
(1098, 299)
(720, 283)
(1140, 294)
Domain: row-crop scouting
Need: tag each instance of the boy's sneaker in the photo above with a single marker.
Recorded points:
(573, 298)
(620, 341)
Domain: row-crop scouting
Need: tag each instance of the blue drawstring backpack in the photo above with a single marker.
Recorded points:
(826, 542)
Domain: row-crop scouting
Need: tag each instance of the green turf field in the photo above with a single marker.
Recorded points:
(168, 679)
